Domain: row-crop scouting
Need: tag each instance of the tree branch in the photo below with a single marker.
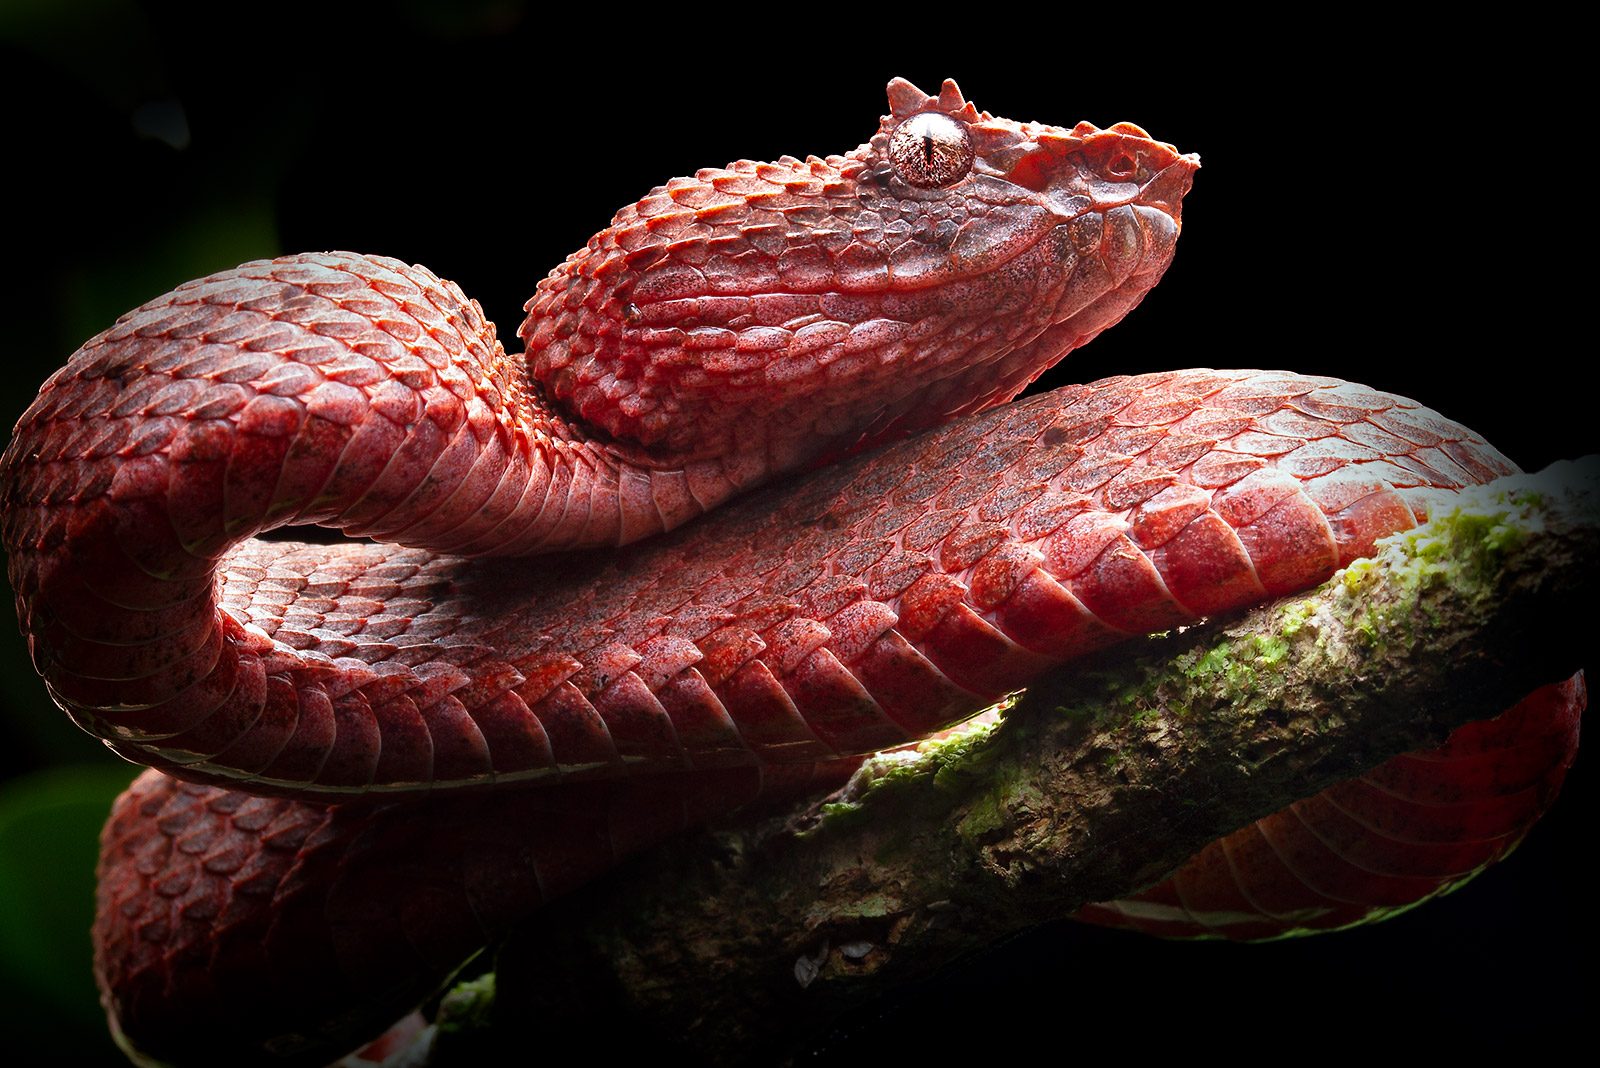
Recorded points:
(1095, 784)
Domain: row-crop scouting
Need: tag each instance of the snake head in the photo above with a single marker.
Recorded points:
(990, 188)
(805, 308)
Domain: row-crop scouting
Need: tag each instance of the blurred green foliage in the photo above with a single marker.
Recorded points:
(49, 831)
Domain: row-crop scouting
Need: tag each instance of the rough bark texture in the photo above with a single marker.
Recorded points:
(727, 940)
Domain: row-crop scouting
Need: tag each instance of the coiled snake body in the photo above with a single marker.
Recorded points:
(728, 330)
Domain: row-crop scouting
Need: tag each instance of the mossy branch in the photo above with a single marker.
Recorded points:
(1096, 783)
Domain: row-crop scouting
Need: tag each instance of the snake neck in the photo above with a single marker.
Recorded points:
(774, 315)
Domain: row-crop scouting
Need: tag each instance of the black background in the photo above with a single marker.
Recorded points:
(1396, 208)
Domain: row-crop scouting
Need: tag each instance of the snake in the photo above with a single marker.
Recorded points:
(535, 652)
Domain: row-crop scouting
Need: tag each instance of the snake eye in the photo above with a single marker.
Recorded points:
(931, 150)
